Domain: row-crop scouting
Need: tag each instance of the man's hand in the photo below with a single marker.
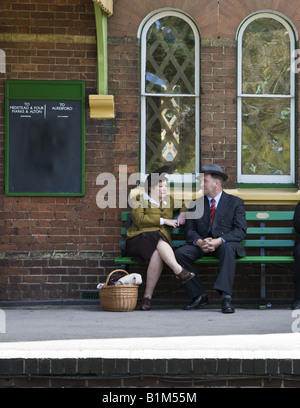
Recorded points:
(209, 244)
(181, 218)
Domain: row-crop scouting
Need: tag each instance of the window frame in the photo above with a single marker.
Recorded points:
(142, 34)
(266, 180)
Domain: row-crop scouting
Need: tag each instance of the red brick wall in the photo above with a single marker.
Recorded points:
(52, 248)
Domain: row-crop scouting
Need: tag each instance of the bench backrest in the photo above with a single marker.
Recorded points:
(270, 224)
(267, 229)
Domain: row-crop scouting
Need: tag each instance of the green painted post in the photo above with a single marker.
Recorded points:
(101, 27)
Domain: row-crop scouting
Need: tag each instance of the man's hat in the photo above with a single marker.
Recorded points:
(213, 169)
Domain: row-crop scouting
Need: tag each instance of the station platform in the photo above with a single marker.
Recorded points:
(84, 346)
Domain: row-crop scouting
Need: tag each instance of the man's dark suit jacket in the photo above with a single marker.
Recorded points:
(296, 223)
(229, 222)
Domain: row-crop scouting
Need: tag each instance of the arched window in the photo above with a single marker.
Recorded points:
(169, 92)
(266, 100)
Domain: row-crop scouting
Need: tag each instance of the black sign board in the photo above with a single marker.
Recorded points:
(44, 138)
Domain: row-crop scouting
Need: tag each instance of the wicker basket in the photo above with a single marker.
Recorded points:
(118, 298)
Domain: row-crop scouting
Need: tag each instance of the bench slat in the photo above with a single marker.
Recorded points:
(269, 215)
(211, 260)
(252, 215)
(270, 230)
(268, 243)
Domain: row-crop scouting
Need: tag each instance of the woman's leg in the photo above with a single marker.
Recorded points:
(154, 270)
(163, 253)
(167, 254)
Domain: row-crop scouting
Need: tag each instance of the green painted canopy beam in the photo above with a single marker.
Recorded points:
(101, 104)
(101, 27)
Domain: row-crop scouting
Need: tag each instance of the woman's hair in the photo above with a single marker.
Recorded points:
(153, 180)
(155, 177)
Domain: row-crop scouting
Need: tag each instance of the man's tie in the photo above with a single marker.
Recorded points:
(212, 210)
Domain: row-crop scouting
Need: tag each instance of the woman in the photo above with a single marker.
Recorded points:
(148, 238)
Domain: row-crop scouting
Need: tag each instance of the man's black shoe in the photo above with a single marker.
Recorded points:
(197, 302)
(227, 306)
(295, 304)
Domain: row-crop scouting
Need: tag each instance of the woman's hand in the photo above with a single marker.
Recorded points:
(171, 223)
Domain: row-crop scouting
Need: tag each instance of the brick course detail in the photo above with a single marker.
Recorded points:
(188, 374)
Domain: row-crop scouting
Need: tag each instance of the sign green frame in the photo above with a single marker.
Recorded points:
(44, 138)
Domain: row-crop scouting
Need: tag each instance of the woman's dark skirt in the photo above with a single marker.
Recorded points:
(141, 247)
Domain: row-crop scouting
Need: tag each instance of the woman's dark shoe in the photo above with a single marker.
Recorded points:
(185, 276)
(146, 304)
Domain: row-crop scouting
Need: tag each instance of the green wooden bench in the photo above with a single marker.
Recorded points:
(269, 235)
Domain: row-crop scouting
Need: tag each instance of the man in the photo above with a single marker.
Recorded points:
(219, 234)
(296, 301)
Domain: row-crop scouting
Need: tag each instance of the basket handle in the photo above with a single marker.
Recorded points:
(116, 270)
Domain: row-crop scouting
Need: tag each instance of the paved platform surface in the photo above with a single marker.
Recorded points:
(162, 333)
